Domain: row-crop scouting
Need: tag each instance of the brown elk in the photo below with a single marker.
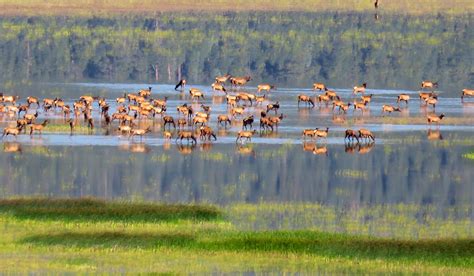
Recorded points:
(366, 134)
(306, 99)
(145, 93)
(182, 123)
(403, 98)
(429, 84)
(389, 109)
(239, 81)
(247, 121)
(223, 119)
(206, 132)
(332, 95)
(367, 98)
(38, 127)
(309, 133)
(273, 106)
(196, 94)
(359, 89)
(425, 95)
(32, 100)
(222, 79)
(318, 133)
(218, 87)
(245, 134)
(319, 86)
(350, 135)
(199, 120)
(124, 129)
(265, 87)
(181, 83)
(168, 120)
(431, 101)
(324, 98)
(265, 122)
(246, 97)
(434, 118)
(360, 105)
(260, 99)
(237, 111)
(467, 92)
(9, 99)
(11, 131)
(276, 119)
(139, 132)
(188, 135)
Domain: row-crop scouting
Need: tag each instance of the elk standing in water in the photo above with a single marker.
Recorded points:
(467, 92)
(247, 121)
(182, 84)
(139, 132)
(32, 100)
(366, 134)
(431, 101)
(237, 111)
(306, 99)
(260, 99)
(273, 106)
(403, 98)
(38, 127)
(182, 123)
(309, 133)
(223, 119)
(367, 99)
(389, 109)
(196, 94)
(360, 89)
(245, 134)
(434, 118)
(218, 87)
(276, 119)
(11, 131)
(168, 120)
(222, 79)
(207, 132)
(239, 81)
(188, 135)
(265, 87)
(145, 93)
(351, 135)
(429, 84)
(321, 133)
(359, 105)
(319, 86)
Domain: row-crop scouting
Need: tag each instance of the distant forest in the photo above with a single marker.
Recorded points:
(286, 49)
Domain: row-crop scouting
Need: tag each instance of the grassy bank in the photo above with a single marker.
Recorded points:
(85, 7)
(191, 238)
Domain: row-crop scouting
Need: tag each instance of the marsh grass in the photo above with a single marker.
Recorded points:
(64, 128)
(98, 210)
(469, 156)
(71, 242)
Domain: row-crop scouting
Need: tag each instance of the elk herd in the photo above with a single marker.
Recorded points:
(192, 122)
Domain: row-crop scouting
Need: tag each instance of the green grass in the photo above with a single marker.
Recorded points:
(469, 155)
(99, 210)
(60, 128)
(69, 242)
(13, 7)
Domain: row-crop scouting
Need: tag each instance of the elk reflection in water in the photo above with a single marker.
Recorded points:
(135, 148)
(434, 134)
(186, 149)
(315, 149)
(363, 148)
(12, 147)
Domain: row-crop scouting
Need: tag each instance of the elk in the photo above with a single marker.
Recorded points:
(403, 98)
(9, 99)
(124, 129)
(167, 135)
(265, 122)
(429, 84)
(434, 118)
(321, 133)
(367, 99)
(223, 119)
(276, 119)
(239, 81)
(332, 95)
(188, 135)
(32, 100)
(196, 94)
(139, 132)
(319, 86)
(237, 111)
(199, 120)
(359, 89)
(168, 120)
(265, 87)
(306, 99)
(222, 79)
(206, 132)
(273, 106)
(359, 105)
(247, 121)
(467, 92)
(245, 134)
(181, 83)
(218, 87)
(11, 131)
(324, 98)
(182, 123)
(389, 109)
(366, 134)
(260, 99)
(351, 135)
(145, 93)
(38, 127)
(425, 95)
(431, 101)
(309, 133)
(160, 102)
(246, 97)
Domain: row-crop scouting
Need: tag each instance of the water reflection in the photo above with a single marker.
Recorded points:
(11, 147)
(434, 134)
(361, 148)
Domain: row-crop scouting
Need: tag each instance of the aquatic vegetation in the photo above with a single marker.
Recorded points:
(469, 155)
(64, 128)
